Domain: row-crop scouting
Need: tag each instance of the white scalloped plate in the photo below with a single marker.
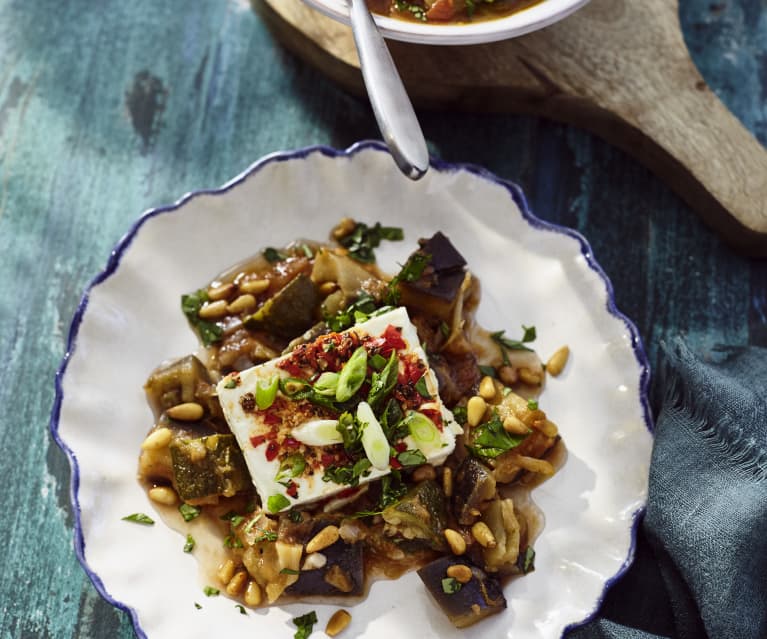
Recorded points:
(531, 272)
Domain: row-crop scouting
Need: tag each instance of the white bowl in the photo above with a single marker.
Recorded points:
(532, 273)
(533, 18)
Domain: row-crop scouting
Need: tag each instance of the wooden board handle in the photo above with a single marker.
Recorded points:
(618, 68)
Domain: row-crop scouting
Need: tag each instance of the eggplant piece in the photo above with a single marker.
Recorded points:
(184, 380)
(420, 514)
(290, 311)
(439, 286)
(480, 597)
(343, 574)
(474, 484)
(206, 467)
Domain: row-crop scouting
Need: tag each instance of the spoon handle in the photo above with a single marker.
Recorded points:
(391, 105)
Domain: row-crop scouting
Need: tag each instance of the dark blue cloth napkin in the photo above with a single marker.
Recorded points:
(701, 563)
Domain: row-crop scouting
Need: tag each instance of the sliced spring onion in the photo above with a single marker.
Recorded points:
(352, 375)
(424, 432)
(326, 384)
(374, 441)
(318, 432)
(266, 392)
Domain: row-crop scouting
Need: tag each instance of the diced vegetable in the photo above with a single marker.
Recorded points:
(207, 467)
(176, 383)
(480, 597)
(420, 514)
(290, 311)
(474, 484)
(499, 517)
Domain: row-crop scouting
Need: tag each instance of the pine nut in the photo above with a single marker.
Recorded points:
(475, 410)
(535, 465)
(254, 287)
(314, 561)
(447, 481)
(460, 572)
(424, 472)
(337, 622)
(530, 377)
(344, 227)
(243, 303)
(188, 412)
(456, 542)
(549, 428)
(508, 375)
(326, 288)
(483, 535)
(157, 439)
(225, 571)
(557, 361)
(326, 537)
(220, 292)
(513, 424)
(163, 495)
(213, 310)
(487, 388)
(237, 583)
(253, 594)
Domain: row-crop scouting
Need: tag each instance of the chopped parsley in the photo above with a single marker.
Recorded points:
(450, 585)
(348, 475)
(295, 516)
(272, 255)
(505, 343)
(532, 404)
(411, 272)
(140, 518)
(459, 413)
(382, 383)
(210, 591)
(362, 241)
(292, 466)
(305, 624)
(191, 304)
(364, 305)
(411, 458)
(241, 608)
(289, 571)
(491, 439)
(488, 371)
(198, 606)
(526, 560)
(420, 386)
(190, 544)
(418, 12)
(267, 535)
(276, 503)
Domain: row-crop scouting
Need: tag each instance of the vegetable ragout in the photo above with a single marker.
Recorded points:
(340, 426)
(448, 11)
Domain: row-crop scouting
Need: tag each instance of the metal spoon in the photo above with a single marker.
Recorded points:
(391, 105)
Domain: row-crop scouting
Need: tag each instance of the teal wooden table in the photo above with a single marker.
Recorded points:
(109, 108)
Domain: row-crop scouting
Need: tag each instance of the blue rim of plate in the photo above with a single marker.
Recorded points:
(284, 156)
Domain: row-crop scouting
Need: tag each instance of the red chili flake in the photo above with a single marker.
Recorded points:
(292, 367)
(400, 447)
(291, 443)
(271, 419)
(394, 463)
(292, 490)
(257, 440)
(271, 450)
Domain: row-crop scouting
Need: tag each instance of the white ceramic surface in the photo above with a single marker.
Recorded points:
(532, 273)
(533, 18)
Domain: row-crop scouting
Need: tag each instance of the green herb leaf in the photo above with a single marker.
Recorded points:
(231, 383)
(198, 606)
(276, 503)
(267, 535)
(532, 404)
(210, 591)
(348, 475)
(364, 306)
(491, 439)
(393, 422)
(410, 272)
(292, 466)
(411, 458)
(305, 624)
(383, 383)
(489, 371)
(191, 304)
(420, 386)
(505, 343)
(295, 516)
(241, 608)
(190, 543)
(289, 571)
(351, 433)
(272, 255)
(450, 585)
(140, 518)
(526, 560)
(444, 329)
(189, 512)
(459, 413)
(362, 241)
(392, 489)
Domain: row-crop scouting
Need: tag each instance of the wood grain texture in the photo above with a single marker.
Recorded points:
(106, 113)
(616, 67)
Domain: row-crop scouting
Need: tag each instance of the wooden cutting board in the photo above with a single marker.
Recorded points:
(618, 68)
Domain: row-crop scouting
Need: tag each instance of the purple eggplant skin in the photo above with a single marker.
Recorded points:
(474, 484)
(481, 597)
